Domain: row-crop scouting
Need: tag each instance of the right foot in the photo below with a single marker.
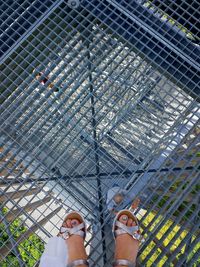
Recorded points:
(126, 246)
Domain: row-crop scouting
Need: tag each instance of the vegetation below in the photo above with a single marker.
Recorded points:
(30, 249)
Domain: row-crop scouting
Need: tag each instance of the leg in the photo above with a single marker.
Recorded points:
(126, 246)
(75, 244)
(67, 249)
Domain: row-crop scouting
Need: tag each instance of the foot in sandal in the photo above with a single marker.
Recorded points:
(127, 237)
(73, 231)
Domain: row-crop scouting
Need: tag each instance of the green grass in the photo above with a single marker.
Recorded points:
(30, 249)
(173, 230)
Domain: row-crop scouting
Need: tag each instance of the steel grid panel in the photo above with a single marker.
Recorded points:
(101, 93)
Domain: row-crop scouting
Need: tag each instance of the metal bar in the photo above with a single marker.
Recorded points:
(5, 250)
(96, 151)
(106, 155)
(185, 13)
(102, 174)
(85, 137)
(13, 214)
(82, 194)
(43, 51)
(174, 203)
(183, 259)
(75, 195)
(195, 257)
(123, 150)
(108, 112)
(169, 148)
(15, 42)
(17, 194)
(166, 188)
(178, 233)
(132, 32)
(14, 244)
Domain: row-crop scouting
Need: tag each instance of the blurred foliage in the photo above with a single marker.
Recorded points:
(30, 249)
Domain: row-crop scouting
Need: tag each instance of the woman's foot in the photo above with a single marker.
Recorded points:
(126, 246)
(75, 243)
(135, 204)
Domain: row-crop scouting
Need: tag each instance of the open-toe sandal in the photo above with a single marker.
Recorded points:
(80, 230)
(120, 228)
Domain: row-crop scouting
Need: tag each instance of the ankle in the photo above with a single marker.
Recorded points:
(126, 248)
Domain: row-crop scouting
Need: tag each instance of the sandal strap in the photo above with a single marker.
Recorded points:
(128, 229)
(131, 230)
(67, 232)
(78, 262)
(136, 235)
(123, 263)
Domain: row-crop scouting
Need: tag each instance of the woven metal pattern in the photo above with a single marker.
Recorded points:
(95, 93)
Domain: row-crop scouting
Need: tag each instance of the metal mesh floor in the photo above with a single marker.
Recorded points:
(95, 93)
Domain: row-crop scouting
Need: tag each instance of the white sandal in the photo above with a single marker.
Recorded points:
(65, 233)
(124, 229)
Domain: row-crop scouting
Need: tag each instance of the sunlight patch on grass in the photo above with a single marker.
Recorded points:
(170, 240)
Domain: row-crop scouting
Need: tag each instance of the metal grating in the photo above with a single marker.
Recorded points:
(95, 93)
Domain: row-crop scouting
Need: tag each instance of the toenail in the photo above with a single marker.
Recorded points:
(124, 218)
(74, 223)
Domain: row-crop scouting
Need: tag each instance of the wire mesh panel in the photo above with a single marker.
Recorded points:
(94, 94)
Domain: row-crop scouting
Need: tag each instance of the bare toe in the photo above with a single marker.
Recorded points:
(74, 222)
(123, 219)
(134, 223)
(68, 222)
(130, 222)
(126, 220)
(64, 224)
